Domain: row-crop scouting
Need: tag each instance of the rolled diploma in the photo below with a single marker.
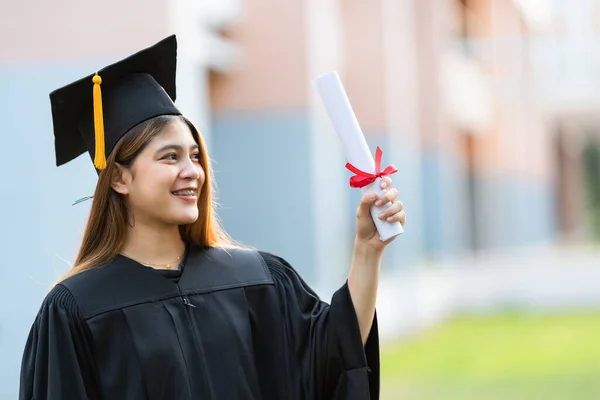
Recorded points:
(344, 120)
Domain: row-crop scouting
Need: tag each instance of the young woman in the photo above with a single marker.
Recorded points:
(160, 304)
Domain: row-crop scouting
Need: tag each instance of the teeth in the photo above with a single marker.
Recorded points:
(185, 193)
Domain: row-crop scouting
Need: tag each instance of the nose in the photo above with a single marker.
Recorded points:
(190, 170)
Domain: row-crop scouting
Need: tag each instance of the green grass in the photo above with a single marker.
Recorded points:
(509, 356)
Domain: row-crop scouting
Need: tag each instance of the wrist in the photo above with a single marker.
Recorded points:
(366, 253)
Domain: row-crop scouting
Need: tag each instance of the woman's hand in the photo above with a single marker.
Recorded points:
(368, 250)
(366, 233)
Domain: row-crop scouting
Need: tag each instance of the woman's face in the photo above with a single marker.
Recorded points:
(163, 184)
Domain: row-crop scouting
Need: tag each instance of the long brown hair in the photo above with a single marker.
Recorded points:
(106, 227)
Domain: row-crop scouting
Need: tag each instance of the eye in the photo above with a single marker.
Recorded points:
(196, 156)
(170, 157)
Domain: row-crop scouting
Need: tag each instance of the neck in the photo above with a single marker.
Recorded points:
(153, 245)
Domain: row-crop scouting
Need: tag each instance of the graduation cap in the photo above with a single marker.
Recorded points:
(93, 113)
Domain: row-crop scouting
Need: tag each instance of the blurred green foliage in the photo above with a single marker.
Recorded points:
(591, 168)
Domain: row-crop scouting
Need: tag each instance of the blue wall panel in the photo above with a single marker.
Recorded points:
(40, 228)
(262, 168)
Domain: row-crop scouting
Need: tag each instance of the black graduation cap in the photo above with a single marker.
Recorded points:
(93, 113)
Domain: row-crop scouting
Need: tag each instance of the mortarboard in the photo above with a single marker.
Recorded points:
(93, 113)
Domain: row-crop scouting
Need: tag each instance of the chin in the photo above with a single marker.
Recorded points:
(180, 215)
(186, 219)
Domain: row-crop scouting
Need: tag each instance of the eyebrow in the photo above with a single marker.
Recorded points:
(176, 147)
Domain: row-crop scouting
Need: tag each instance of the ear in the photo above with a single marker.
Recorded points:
(121, 179)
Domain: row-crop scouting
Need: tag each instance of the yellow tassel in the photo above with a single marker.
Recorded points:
(100, 156)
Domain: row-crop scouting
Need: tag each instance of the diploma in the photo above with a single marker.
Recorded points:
(357, 152)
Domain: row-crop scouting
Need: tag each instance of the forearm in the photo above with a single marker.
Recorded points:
(363, 281)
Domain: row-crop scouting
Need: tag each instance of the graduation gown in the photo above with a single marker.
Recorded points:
(237, 324)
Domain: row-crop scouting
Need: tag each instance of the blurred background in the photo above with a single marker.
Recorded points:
(490, 109)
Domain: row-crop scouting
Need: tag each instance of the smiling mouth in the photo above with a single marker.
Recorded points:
(185, 193)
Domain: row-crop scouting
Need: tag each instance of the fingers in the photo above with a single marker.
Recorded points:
(398, 217)
(388, 196)
(391, 214)
(385, 183)
(401, 217)
(366, 201)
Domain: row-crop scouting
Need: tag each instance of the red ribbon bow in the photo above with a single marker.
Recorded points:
(363, 178)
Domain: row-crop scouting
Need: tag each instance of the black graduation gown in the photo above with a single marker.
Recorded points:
(238, 324)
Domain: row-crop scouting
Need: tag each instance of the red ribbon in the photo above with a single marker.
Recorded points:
(363, 178)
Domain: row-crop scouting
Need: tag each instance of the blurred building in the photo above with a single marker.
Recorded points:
(447, 88)
(487, 107)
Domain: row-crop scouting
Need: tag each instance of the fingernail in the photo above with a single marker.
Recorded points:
(389, 219)
(378, 203)
(381, 215)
